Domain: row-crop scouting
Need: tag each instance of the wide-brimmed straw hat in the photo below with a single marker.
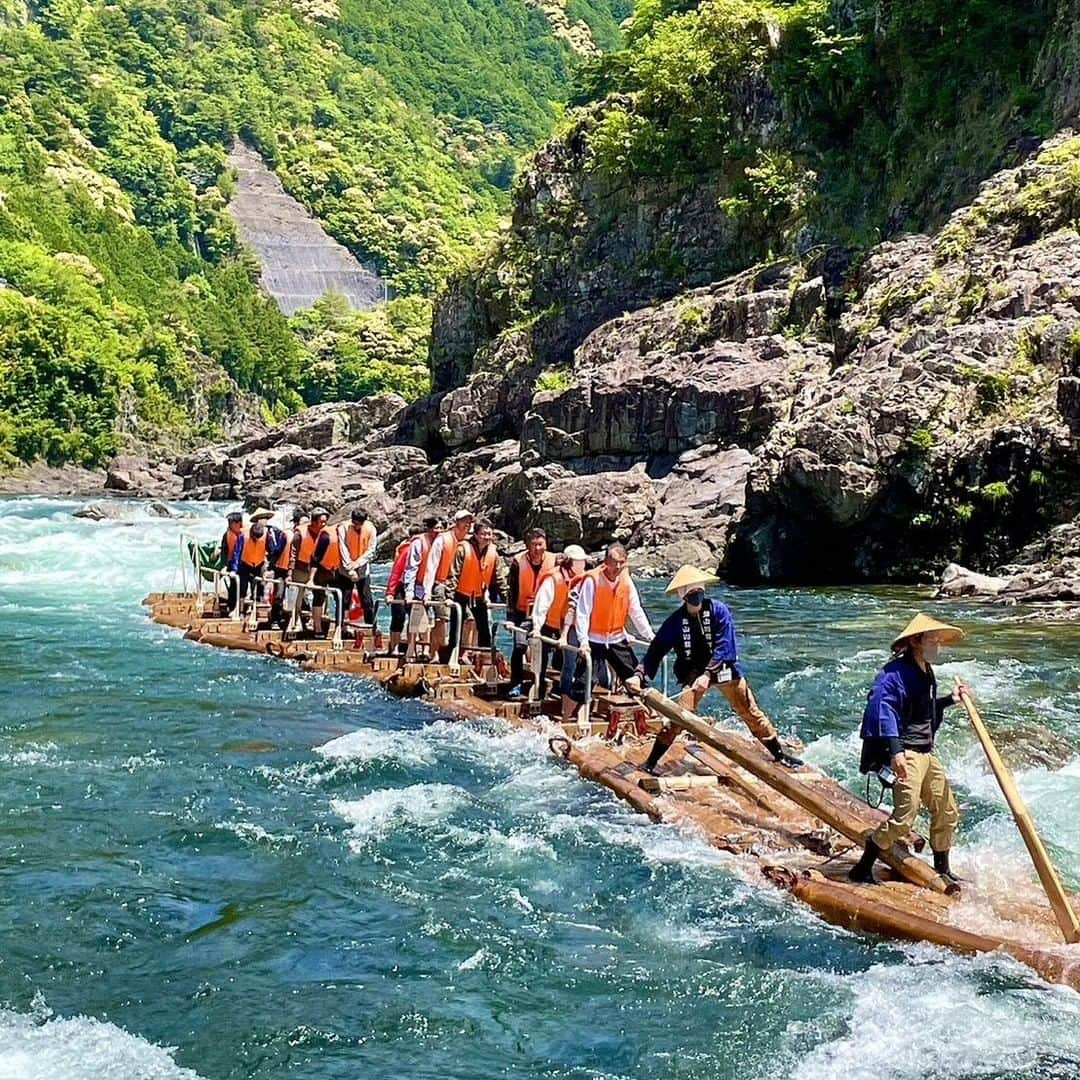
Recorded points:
(262, 512)
(687, 577)
(923, 624)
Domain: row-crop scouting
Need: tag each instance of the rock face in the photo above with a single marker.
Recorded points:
(798, 422)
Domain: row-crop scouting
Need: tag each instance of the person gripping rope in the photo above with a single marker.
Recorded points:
(436, 578)
(900, 723)
(230, 555)
(551, 606)
(395, 590)
(415, 568)
(304, 568)
(701, 634)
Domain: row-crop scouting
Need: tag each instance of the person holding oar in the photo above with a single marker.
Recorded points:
(901, 720)
(701, 633)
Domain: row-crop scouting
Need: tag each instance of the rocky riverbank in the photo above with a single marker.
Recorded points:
(831, 419)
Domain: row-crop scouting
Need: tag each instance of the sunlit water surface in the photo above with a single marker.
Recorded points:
(217, 866)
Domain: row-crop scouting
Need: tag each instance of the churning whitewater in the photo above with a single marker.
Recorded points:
(220, 866)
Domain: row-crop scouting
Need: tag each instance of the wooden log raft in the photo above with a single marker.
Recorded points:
(835, 814)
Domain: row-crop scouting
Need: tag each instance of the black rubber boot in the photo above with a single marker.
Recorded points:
(941, 865)
(659, 748)
(863, 870)
(780, 755)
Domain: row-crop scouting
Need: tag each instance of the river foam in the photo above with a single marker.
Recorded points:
(40, 1046)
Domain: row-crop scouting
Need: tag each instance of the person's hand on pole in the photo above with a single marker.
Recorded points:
(960, 691)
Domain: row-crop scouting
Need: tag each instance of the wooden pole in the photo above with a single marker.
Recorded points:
(1055, 893)
(839, 817)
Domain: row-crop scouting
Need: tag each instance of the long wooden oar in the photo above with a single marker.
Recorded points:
(1055, 893)
(836, 816)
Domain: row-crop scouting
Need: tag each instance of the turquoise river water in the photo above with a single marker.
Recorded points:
(217, 866)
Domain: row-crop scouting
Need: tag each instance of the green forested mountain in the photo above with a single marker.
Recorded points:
(126, 306)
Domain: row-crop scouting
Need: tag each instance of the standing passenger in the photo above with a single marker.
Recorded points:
(356, 545)
(607, 600)
(525, 571)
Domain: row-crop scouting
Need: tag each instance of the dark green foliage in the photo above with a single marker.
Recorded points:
(890, 113)
(126, 306)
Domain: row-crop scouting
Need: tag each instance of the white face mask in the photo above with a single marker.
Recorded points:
(931, 651)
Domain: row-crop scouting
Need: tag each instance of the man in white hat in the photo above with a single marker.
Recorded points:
(903, 713)
(701, 633)
(551, 607)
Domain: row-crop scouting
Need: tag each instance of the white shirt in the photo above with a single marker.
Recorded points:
(542, 601)
(583, 613)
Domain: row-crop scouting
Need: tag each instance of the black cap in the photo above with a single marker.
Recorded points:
(431, 523)
(297, 514)
(232, 519)
(359, 515)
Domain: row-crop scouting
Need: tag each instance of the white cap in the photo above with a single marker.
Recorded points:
(464, 515)
(575, 552)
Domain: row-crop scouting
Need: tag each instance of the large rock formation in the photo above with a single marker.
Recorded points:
(772, 423)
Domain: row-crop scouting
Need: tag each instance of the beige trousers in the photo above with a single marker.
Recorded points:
(741, 698)
(926, 785)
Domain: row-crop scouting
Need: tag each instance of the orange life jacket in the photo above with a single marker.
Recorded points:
(331, 557)
(308, 539)
(561, 604)
(611, 602)
(425, 551)
(528, 579)
(254, 553)
(477, 573)
(282, 562)
(359, 541)
(446, 563)
(228, 543)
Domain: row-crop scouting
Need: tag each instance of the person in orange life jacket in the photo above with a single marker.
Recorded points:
(701, 633)
(234, 530)
(569, 634)
(283, 566)
(356, 545)
(437, 574)
(477, 577)
(395, 589)
(525, 571)
(304, 569)
(253, 551)
(902, 716)
(415, 568)
(551, 607)
(607, 600)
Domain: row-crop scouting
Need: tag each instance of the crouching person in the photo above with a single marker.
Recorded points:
(902, 717)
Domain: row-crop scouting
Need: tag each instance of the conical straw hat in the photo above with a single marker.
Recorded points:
(262, 512)
(686, 577)
(923, 624)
